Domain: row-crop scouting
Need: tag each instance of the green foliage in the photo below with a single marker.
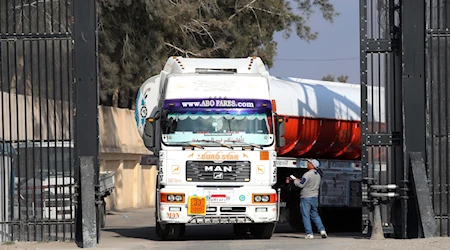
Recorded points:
(331, 78)
(328, 77)
(137, 36)
(342, 78)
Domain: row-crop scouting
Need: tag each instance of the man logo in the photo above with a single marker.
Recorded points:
(224, 169)
(218, 175)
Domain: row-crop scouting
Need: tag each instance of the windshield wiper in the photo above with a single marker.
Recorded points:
(248, 144)
(221, 144)
(192, 146)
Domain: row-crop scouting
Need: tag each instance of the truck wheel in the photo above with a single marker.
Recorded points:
(240, 229)
(182, 230)
(158, 229)
(170, 231)
(102, 215)
(263, 230)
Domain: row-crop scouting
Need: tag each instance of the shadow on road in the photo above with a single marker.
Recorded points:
(214, 232)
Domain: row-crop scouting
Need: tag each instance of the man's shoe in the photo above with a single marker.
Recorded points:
(324, 234)
(309, 236)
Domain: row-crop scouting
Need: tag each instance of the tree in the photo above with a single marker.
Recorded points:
(328, 77)
(342, 78)
(331, 78)
(137, 36)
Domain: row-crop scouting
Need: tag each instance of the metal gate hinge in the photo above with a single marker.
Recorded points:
(383, 139)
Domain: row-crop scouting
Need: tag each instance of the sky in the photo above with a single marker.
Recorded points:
(313, 60)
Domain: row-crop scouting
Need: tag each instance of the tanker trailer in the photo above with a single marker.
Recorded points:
(320, 120)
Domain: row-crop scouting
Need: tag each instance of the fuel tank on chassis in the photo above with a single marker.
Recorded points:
(322, 119)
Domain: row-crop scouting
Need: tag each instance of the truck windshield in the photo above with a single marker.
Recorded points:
(202, 128)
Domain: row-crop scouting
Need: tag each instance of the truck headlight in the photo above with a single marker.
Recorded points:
(264, 198)
(172, 197)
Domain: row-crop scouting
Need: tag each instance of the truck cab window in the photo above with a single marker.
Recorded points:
(201, 126)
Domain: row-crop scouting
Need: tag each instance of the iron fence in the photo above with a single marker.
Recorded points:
(438, 109)
(37, 184)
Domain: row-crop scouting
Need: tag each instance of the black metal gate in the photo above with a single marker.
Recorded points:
(37, 184)
(381, 118)
(405, 110)
(437, 62)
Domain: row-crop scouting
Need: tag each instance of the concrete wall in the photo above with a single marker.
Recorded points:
(135, 184)
(25, 118)
(120, 151)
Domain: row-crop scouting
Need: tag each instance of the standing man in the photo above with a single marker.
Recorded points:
(310, 184)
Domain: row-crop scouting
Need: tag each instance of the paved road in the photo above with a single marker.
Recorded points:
(136, 227)
(135, 230)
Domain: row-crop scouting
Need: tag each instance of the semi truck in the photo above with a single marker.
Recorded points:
(227, 135)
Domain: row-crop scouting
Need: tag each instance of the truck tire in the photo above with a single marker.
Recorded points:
(182, 230)
(240, 229)
(263, 230)
(158, 229)
(170, 231)
(102, 214)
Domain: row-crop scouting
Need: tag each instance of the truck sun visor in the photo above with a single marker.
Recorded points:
(213, 103)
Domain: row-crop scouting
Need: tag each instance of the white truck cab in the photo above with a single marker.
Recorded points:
(211, 125)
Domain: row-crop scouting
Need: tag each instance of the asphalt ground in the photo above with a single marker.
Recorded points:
(135, 230)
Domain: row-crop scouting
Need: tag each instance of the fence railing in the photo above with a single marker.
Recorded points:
(37, 185)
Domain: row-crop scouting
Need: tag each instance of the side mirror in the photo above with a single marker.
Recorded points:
(279, 131)
(149, 135)
(149, 131)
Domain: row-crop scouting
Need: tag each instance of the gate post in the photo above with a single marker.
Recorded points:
(413, 104)
(86, 119)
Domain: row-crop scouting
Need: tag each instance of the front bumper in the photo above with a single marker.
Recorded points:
(235, 209)
(220, 219)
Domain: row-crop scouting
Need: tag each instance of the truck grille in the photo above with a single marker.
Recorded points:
(209, 171)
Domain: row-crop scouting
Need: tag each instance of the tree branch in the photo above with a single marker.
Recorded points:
(207, 32)
(33, 4)
(257, 22)
(241, 9)
(51, 20)
(186, 52)
(125, 49)
(268, 11)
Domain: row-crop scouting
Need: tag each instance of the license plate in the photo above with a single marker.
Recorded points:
(197, 205)
(218, 198)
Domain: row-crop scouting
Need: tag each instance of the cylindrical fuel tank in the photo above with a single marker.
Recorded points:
(322, 119)
(146, 102)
